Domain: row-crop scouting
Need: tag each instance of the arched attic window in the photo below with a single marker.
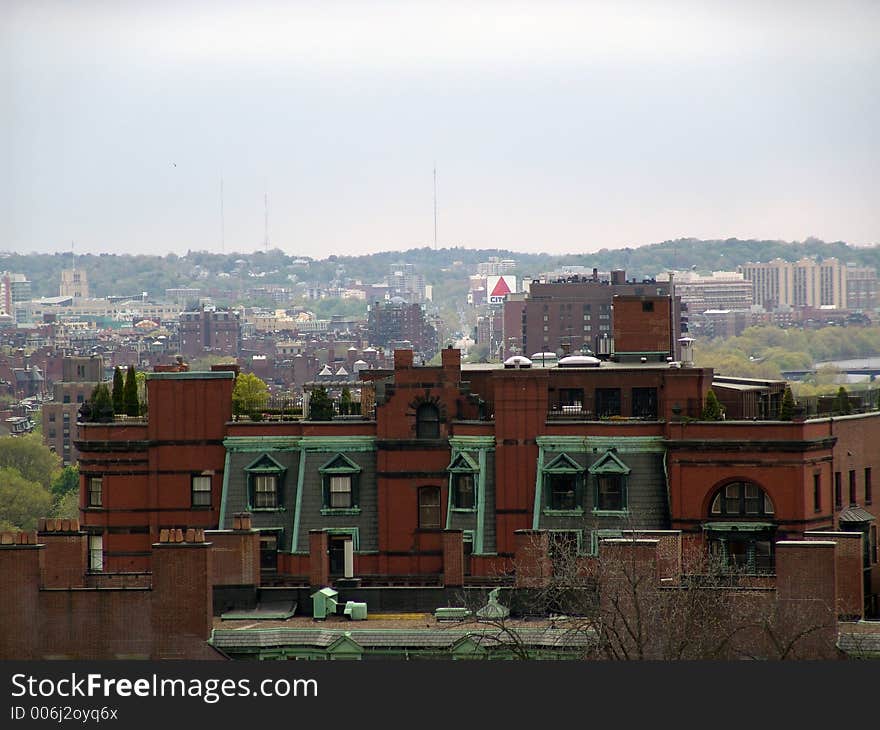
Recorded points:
(428, 421)
(741, 499)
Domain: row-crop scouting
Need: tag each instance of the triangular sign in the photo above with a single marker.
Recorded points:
(501, 289)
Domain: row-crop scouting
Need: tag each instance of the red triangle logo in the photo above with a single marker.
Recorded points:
(501, 289)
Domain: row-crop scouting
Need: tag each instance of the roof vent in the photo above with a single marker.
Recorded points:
(579, 361)
(517, 361)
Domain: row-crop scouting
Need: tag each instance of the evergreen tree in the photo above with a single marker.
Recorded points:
(786, 409)
(345, 401)
(101, 404)
(320, 406)
(712, 410)
(841, 403)
(118, 392)
(132, 405)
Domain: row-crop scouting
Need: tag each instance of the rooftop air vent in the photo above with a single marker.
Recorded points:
(517, 361)
(579, 361)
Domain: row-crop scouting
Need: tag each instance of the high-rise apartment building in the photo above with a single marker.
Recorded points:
(861, 288)
(217, 331)
(804, 283)
(14, 288)
(79, 376)
(576, 313)
(719, 290)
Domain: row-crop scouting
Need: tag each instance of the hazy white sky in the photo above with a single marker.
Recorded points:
(554, 126)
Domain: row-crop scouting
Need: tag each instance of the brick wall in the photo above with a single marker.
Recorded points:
(453, 557)
(849, 571)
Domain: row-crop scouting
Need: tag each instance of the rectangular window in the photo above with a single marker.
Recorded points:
(817, 492)
(266, 491)
(838, 491)
(572, 398)
(610, 492)
(869, 497)
(644, 403)
(852, 486)
(96, 553)
(562, 493)
(429, 508)
(340, 492)
(607, 402)
(647, 306)
(201, 491)
(463, 491)
(96, 496)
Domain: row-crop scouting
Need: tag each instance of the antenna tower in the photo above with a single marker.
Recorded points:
(266, 201)
(435, 206)
(222, 220)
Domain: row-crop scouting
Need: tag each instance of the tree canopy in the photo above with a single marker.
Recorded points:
(32, 460)
(249, 394)
(22, 501)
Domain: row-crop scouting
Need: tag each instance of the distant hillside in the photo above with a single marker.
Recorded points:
(229, 276)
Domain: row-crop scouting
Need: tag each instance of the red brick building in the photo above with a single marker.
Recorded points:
(582, 450)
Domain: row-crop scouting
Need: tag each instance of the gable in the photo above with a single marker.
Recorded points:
(265, 464)
(609, 463)
(462, 462)
(339, 464)
(563, 464)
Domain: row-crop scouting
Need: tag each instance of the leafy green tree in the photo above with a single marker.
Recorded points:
(320, 405)
(22, 501)
(28, 456)
(841, 403)
(65, 482)
(786, 408)
(712, 409)
(132, 404)
(249, 394)
(118, 392)
(67, 507)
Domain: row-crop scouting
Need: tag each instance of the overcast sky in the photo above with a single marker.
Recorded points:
(554, 126)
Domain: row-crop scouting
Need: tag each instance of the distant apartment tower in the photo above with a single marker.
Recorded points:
(405, 281)
(79, 376)
(182, 296)
(804, 283)
(719, 290)
(496, 267)
(74, 283)
(215, 331)
(395, 321)
(861, 288)
(13, 288)
(576, 313)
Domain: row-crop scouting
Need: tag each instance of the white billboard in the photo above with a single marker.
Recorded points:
(498, 287)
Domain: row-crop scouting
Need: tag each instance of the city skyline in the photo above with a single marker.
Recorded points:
(565, 128)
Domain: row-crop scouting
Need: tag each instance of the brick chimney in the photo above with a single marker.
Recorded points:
(20, 563)
(182, 592)
(403, 359)
(66, 553)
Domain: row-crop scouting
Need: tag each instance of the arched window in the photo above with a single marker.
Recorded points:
(428, 421)
(741, 499)
(429, 508)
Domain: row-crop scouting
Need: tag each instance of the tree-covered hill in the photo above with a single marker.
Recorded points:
(228, 276)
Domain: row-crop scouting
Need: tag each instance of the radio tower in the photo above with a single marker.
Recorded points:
(266, 201)
(222, 220)
(435, 206)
